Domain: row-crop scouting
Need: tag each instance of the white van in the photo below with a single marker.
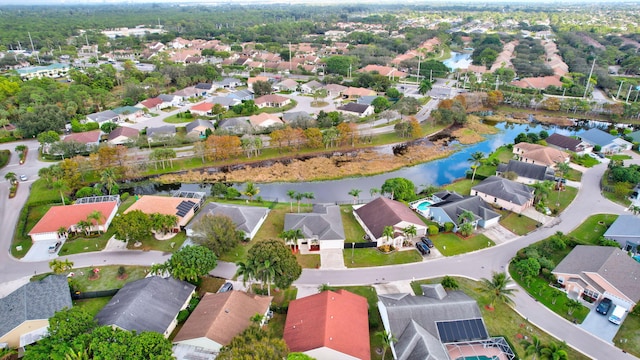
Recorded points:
(617, 314)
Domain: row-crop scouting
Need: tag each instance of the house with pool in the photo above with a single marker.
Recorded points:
(446, 206)
(382, 212)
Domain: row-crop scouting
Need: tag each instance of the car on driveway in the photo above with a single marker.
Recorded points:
(427, 241)
(23, 177)
(424, 250)
(226, 287)
(54, 248)
(604, 306)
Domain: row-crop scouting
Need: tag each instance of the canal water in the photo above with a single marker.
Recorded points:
(438, 172)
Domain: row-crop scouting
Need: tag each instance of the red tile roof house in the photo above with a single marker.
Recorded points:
(329, 326)
(264, 120)
(68, 216)
(272, 100)
(382, 212)
(203, 109)
(122, 135)
(384, 71)
(88, 137)
(151, 104)
(540, 83)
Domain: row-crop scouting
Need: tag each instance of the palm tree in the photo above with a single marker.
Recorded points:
(541, 190)
(108, 178)
(58, 266)
(298, 196)
(324, 287)
(562, 169)
(267, 272)
(292, 195)
(355, 193)
(572, 305)
(62, 231)
(84, 225)
(635, 209)
(60, 185)
(388, 233)
(555, 351)
(475, 160)
(251, 190)
(309, 196)
(533, 348)
(374, 191)
(410, 231)
(425, 86)
(97, 216)
(45, 173)
(497, 288)
(387, 339)
(247, 270)
(466, 217)
(11, 177)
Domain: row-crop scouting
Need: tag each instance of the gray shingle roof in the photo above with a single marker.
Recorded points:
(325, 222)
(366, 100)
(563, 142)
(527, 170)
(163, 130)
(635, 136)
(505, 189)
(34, 301)
(625, 225)
(612, 264)
(597, 137)
(235, 124)
(246, 218)
(148, 304)
(295, 115)
(383, 212)
(103, 116)
(198, 122)
(166, 97)
(412, 319)
(204, 86)
(223, 101)
(353, 107)
(476, 205)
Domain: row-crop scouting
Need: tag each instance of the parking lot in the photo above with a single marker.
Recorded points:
(599, 325)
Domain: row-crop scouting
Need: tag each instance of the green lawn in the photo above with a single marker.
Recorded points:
(518, 224)
(462, 187)
(628, 335)
(169, 245)
(373, 257)
(82, 244)
(585, 160)
(353, 232)
(174, 119)
(559, 200)
(450, 244)
(92, 306)
(308, 261)
(590, 231)
(108, 277)
(573, 175)
(619, 157)
(281, 298)
(503, 320)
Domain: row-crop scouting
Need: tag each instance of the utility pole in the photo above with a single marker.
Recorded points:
(497, 81)
(32, 48)
(619, 88)
(431, 75)
(289, 57)
(586, 88)
(628, 93)
(418, 75)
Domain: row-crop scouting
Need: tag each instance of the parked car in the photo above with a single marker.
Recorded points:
(427, 241)
(226, 287)
(604, 306)
(424, 250)
(600, 155)
(592, 155)
(617, 314)
(54, 248)
(23, 177)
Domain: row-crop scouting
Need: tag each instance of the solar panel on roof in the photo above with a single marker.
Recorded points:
(461, 330)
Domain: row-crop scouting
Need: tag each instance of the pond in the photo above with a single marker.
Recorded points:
(438, 172)
(458, 60)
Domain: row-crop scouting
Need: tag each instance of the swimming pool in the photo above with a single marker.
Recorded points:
(637, 258)
(424, 205)
(479, 357)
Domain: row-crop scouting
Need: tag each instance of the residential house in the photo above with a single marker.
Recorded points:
(272, 100)
(527, 173)
(331, 325)
(321, 229)
(252, 80)
(635, 136)
(187, 93)
(608, 143)
(216, 320)
(359, 110)
(366, 100)
(224, 101)
(67, 217)
(540, 155)
(352, 93)
(88, 138)
(562, 142)
(228, 83)
(198, 128)
(384, 71)
(202, 109)
(235, 125)
(264, 120)
(25, 313)
(103, 117)
(56, 70)
(149, 304)
(151, 104)
(123, 135)
(241, 95)
(169, 100)
(310, 87)
(449, 210)
(296, 117)
(626, 231)
(438, 325)
(128, 113)
(204, 89)
(504, 193)
(596, 272)
(382, 212)
(248, 219)
(161, 133)
(334, 90)
(286, 85)
(540, 82)
(183, 208)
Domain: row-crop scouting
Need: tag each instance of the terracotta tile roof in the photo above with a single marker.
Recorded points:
(151, 204)
(220, 317)
(251, 80)
(151, 103)
(383, 212)
(123, 131)
(336, 320)
(542, 154)
(541, 82)
(271, 99)
(264, 119)
(68, 215)
(205, 106)
(86, 137)
(384, 70)
(355, 91)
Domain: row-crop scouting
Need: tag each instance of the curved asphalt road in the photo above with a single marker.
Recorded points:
(475, 265)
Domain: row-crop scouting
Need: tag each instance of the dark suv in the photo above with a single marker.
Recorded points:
(427, 241)
(604, 306)
(424, 250)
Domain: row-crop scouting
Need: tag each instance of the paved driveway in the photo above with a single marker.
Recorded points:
(599, 325)
(40, 251)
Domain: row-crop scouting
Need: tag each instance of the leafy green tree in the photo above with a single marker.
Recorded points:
(555, 351)
(59, 266)
(48, 137)
(533, 348)
(387, 339)
(262, 88)
(163, 223)
(251, 190)
(41, 119)
(528, 267)
(449, 283)
(216, 232)
(108, 127)
(254, 343)
(400, 189)
(410, 231)
(189, 263)
(380, 103)
(475, 159)
(355, 193)
(284, 264)
(394, 93)
(132, 226)
(497, 288)
(341, 65)
(11, 177)
(425, 86)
